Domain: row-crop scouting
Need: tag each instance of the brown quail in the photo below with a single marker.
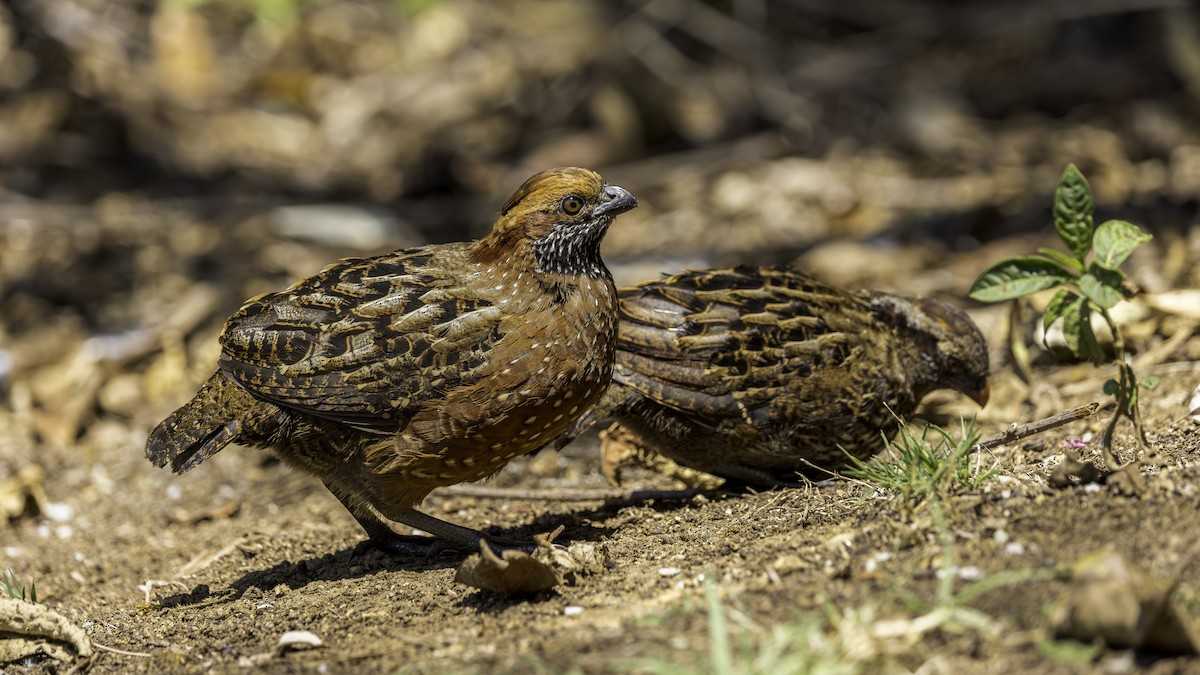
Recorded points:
(755, 374)
(387, 377)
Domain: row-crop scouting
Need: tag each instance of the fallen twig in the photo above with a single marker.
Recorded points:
(565, 495)
(1019, 431)
(1157, 354)
(207, 558)
(122, 652)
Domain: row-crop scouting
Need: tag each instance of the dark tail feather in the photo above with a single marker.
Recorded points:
(200, 428)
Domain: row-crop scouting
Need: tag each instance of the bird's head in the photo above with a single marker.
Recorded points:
(561, 215)
(952, 352)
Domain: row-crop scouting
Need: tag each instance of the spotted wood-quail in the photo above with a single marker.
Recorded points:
(755, 374)
(387, 377)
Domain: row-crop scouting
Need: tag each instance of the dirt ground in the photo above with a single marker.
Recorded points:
(208, 570)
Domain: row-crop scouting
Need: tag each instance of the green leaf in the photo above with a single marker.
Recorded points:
(1115, 240)
(1054, 311)
(1017, 277)
(1063, 258)
(1089, 348)
(1073, 206)
(1069, 267)
(1111, 387)
(1151, 382)
(1099, 287)
(1077, 331)
(1071, 323)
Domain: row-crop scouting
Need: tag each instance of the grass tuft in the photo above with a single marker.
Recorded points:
(917, 467)
(17, 590)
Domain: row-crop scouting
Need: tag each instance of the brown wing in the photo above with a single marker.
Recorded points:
(366, 342)
(732, 342)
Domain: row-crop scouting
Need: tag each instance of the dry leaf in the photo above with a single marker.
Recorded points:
(18, 493)
(514, 573)
(519, 573)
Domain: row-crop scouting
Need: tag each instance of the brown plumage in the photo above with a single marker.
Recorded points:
(755, 374)
(390, 376)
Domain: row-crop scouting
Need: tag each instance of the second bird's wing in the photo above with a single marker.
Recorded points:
(728, 343)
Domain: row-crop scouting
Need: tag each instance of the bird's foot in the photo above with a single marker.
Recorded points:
(420, 546)
(448, 538)
(409, 546)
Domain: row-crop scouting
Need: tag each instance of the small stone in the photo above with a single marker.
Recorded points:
(298, 639)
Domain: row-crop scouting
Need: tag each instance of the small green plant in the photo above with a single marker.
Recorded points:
(916, 468)
(1085, 287)
(15, 589)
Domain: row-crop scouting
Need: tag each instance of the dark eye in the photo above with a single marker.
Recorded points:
(572, 205)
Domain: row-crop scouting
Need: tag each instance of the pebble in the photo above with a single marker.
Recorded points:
(294, 639)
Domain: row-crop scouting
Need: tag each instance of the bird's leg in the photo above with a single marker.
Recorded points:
(449, 536)
(459, 537)
(381, 535)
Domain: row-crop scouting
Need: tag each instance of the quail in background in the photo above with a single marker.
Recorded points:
(387, 377)
(755, 374)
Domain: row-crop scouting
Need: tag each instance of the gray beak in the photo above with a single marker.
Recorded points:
(614, 200)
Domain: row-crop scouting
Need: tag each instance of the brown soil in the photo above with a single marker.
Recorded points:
(223, 589)
(112, 321)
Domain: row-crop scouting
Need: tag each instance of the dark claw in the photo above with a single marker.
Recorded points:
(417, 546)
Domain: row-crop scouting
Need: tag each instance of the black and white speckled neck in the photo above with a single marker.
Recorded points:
(573, 249)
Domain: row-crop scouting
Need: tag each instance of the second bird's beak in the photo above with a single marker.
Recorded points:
(614, 200)
(980, 393)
